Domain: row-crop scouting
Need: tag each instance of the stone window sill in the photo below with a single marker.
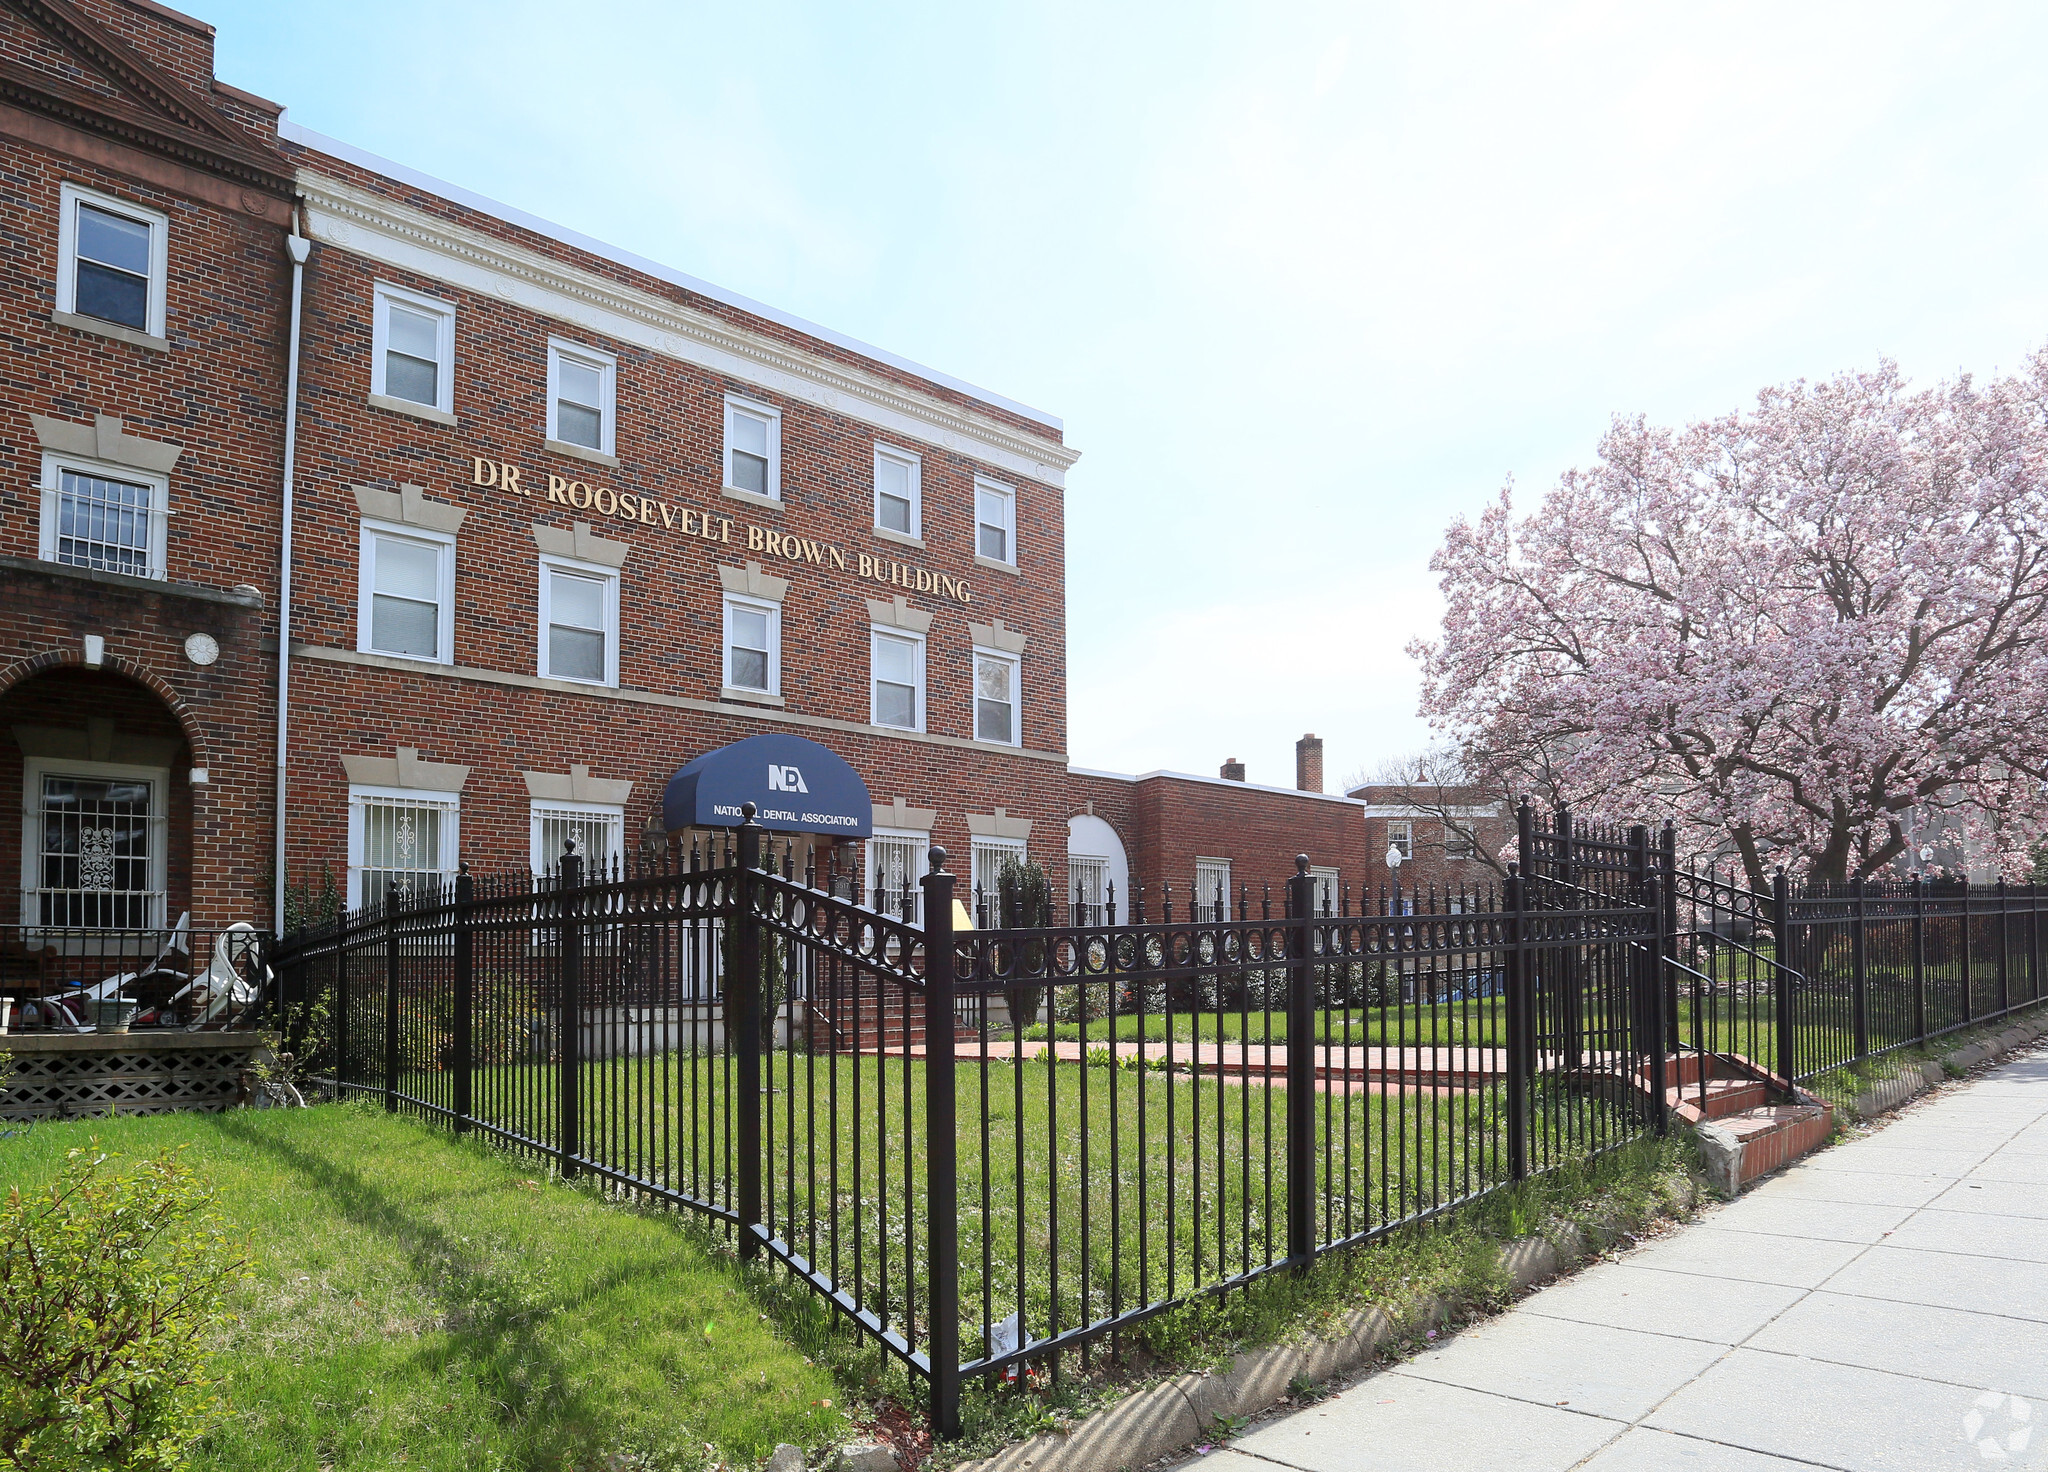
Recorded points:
(749, 697)
(899, 538)
(752, 498)
(112, 329)
(409, 408)
(240, 596)
(580, 452)
(1008, 567)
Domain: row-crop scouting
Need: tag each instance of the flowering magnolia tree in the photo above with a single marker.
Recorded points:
(1809, 631)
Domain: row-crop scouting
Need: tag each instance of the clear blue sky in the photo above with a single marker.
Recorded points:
(1304, 282)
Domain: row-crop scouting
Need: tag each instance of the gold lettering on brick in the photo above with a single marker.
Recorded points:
(630, 506)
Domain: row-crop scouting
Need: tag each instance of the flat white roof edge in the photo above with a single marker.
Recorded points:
(470, 199)
(1353, 802)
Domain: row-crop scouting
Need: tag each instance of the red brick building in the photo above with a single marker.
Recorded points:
(535, 523)
(1447, 837)
(147, 300)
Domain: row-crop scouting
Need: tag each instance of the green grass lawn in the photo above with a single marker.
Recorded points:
(1089, 1190)
(421, 1302)
(1475, 1024)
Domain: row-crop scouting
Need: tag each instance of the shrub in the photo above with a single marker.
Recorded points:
(111, 1283)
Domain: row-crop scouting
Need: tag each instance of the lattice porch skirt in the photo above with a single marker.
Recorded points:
(90, 1075)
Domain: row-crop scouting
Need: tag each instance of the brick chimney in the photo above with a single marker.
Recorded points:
(1231, 771)
(1308, 763)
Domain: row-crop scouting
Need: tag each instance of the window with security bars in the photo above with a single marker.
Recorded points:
(1088, 881)
(1212, 889)
(98, 853)
(1326, 891)
(897, 860)
(106, 523)
(988, 855)
(599, 833)
(400, 846)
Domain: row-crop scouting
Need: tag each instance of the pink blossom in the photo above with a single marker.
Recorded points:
(1796, 632)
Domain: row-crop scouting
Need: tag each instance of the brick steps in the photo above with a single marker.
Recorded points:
(1746, 1128)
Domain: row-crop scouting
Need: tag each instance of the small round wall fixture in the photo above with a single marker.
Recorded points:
(202, 649)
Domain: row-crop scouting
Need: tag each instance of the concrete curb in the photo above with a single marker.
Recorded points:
(1178, 1413)
(1881, 1098)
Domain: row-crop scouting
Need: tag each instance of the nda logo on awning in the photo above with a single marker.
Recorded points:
(785, 779)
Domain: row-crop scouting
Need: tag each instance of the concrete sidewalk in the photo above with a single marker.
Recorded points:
(1882, 1307)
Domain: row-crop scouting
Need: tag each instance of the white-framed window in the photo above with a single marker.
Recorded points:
(753, 644)
(108, 517)
(599, 829)
(581, 394)
(412, 348)
(897, 683)
(112, 260)
(996, 712)
(1401, 838)
(995, 522)
(94, 849)
(753, 448)
(1088, 887)
(579, 622)
(406, 593)
(897, 858)
(1460, 842)
(986, 866)
(898, 501)
(400, 840)
(1328, 894)
(1212, 889)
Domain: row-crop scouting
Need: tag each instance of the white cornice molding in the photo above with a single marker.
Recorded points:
(368, 225)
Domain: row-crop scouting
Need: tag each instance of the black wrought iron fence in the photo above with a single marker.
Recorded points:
(1005, 1143)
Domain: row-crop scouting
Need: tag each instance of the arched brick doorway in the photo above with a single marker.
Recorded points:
(95, 776)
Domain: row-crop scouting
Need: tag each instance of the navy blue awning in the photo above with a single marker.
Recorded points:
(796, 786)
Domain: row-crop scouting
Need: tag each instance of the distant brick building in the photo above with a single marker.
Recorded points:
(1447, 837)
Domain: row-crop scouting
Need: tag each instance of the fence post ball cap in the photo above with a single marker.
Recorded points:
(746, 812)
(1301, 863)
(938, 859)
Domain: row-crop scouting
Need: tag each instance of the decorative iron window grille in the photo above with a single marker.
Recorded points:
(99, 845)
(406, 847)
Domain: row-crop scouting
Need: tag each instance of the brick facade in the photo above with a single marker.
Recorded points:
(117, 99)
(129, 108)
